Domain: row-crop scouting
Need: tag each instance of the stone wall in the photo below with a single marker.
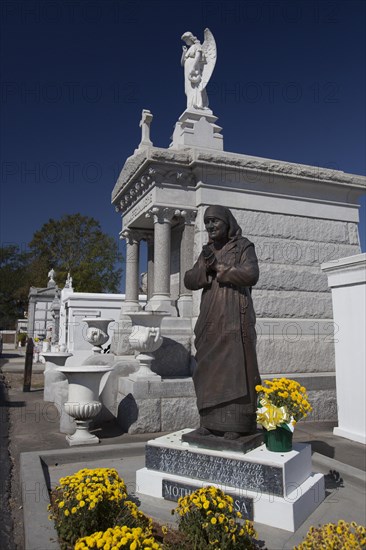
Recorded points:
(290, 250)
(148, 406)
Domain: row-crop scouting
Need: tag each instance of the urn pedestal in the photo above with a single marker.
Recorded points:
(85, 385)
(97, 332)
(145, 398)
(53, 376)
(145, 338)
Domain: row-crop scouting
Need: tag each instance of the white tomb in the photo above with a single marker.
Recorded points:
(40, 300)
(347, 279)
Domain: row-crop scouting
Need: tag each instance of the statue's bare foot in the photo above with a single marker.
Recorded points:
(232, 435)
(203, 431)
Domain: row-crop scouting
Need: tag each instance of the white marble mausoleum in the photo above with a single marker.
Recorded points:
(297, 216)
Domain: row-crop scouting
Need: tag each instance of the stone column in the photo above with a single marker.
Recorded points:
(55, 311)
(161, 301)
(120, 344)
(186, 262)
(150, 265)
(132, 270)
(31, 313)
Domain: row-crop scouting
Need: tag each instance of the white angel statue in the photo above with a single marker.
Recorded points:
(199, 62)
(51, 275)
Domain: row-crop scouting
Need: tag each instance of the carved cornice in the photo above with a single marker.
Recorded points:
(137, 190)
(181, 177)
(156, 166)
(234, 161)
(152, 176)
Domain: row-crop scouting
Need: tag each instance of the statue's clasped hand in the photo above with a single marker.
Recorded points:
(209, 257)
(207, 252)
(221, 269)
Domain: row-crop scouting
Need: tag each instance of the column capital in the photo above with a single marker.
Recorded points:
(163, 214)
(137, 234)
(189, 216)
(132, 236)
(132, 270)
(147, 235)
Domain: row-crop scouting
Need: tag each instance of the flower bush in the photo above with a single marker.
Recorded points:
(281, 402)
(22, 338)
(208, 520)
(92, 500)
(91, 511)
(338, 536)
(119, 537)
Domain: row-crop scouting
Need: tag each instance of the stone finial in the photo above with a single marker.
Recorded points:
(145, 122)
(51, 280)
(68, 283)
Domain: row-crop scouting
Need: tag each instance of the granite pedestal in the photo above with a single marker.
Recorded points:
(149, 405)
(244, 443)
(276, 489)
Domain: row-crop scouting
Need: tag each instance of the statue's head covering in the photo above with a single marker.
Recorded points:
(189, 36)
(224, 214)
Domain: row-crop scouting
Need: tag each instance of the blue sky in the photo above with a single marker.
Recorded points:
(289, 84)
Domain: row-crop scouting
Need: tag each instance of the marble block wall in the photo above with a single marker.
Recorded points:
(156, 406)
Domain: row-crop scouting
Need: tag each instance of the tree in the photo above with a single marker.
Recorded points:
(76, 244)
(13, 285)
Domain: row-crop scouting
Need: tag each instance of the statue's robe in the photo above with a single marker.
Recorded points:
(227, 370)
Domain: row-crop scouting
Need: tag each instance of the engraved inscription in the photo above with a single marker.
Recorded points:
(216, 469)
(173, 490)
(144, 203)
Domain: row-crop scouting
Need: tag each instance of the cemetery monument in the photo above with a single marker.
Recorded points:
(227, 369)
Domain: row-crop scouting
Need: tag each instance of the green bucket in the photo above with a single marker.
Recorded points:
(278, 440)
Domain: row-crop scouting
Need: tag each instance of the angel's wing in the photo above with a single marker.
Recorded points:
(210, 52)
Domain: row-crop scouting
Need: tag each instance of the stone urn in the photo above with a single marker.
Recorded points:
(145, 338)
(97, 332)
(86, 383)
(46, 346)
(51, 374)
